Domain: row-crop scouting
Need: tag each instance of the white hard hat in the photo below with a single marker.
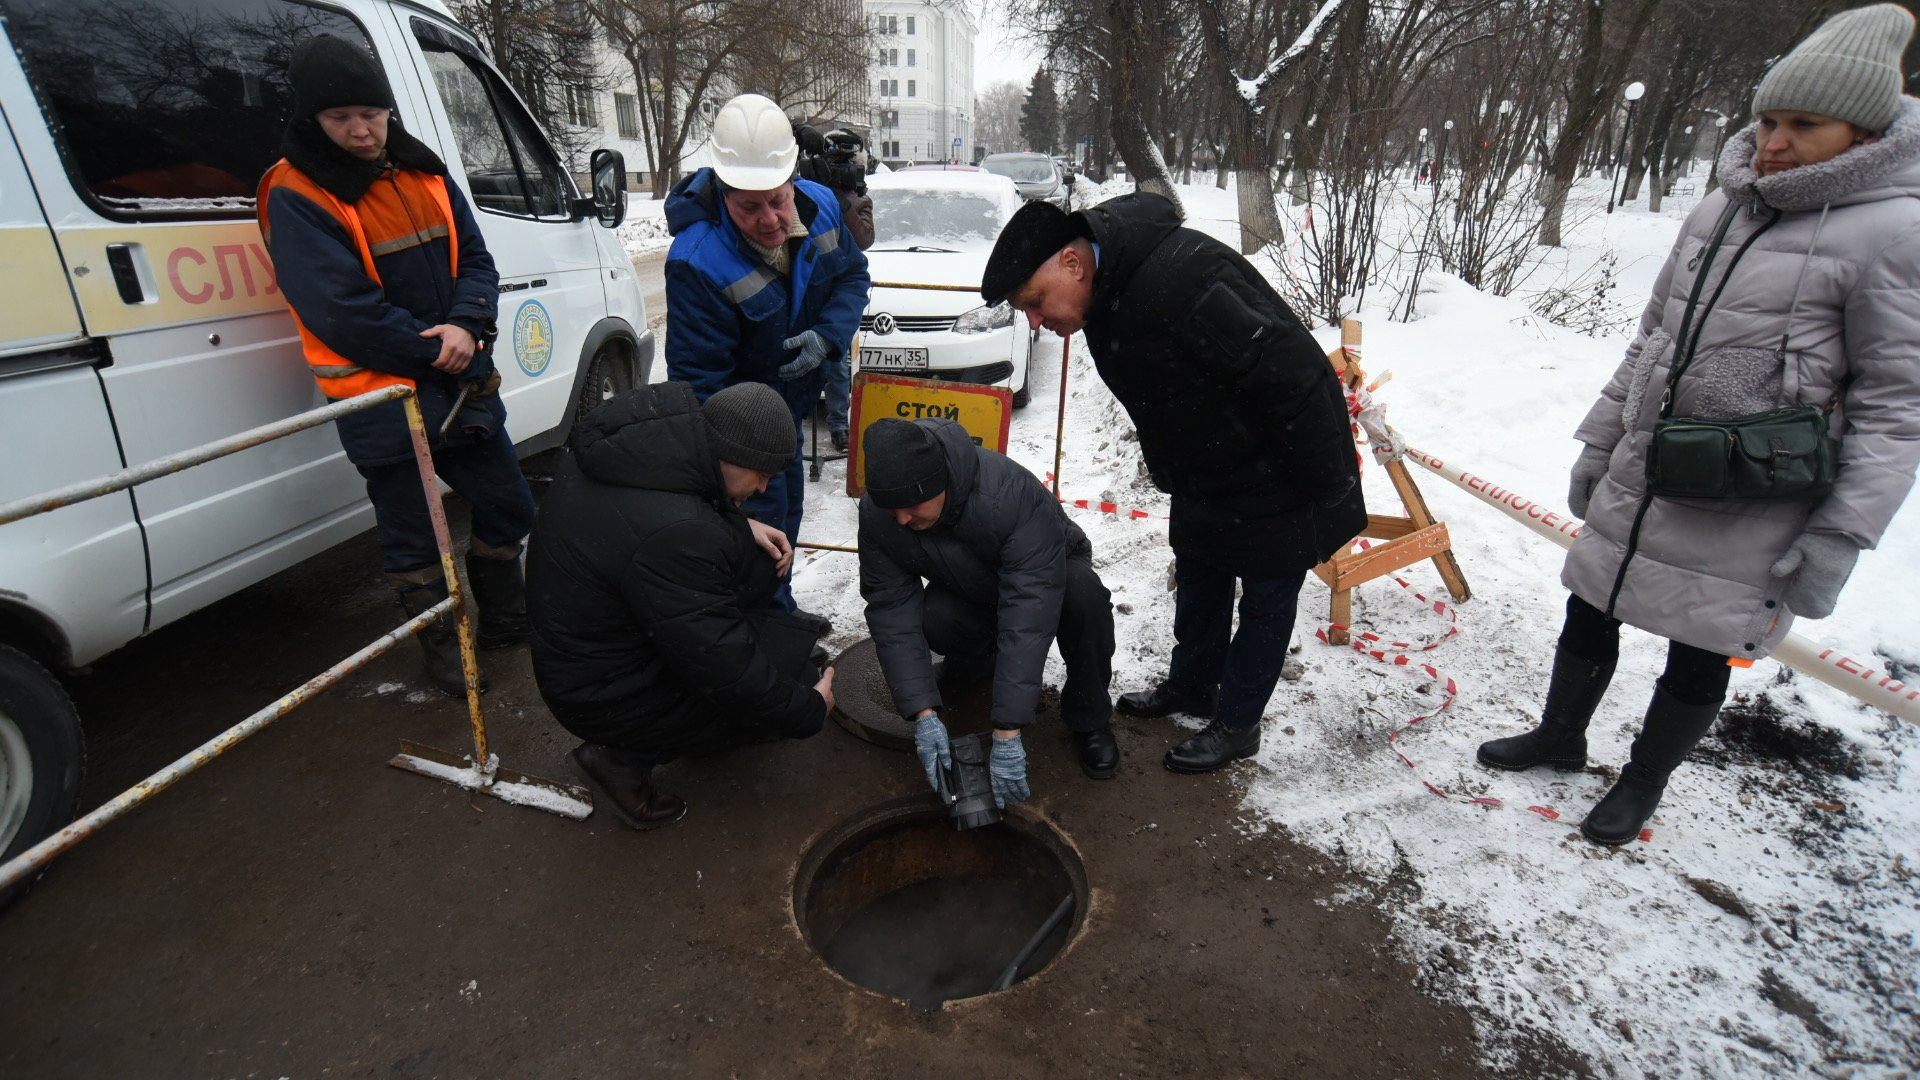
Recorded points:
(753, 147)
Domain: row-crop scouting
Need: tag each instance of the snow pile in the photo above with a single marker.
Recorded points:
(1770, 927)
(645, 229)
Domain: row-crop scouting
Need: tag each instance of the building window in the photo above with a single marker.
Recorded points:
(581, 108)
(909, 57)
(893, 24)
(893, 57)
(909, 24)
(890, 149)
(626, 111)
(909, 87)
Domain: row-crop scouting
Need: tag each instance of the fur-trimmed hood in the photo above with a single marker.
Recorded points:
(1887, 166)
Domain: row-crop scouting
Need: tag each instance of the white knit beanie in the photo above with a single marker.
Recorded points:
(1848, 69)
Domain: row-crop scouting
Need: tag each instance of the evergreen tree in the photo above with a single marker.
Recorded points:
(1040, 116)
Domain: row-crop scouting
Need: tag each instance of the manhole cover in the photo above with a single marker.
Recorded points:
(864, 707)
(900, 902)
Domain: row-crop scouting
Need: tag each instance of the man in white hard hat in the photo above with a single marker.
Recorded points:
(765, 282)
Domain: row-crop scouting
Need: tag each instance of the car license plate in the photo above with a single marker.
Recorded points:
(885, 359)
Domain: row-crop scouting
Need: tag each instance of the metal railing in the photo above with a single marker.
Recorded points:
(483, 774)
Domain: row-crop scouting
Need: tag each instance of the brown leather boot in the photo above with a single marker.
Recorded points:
(627, 790)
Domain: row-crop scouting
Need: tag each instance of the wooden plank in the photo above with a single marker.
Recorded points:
(1342, 616)
(1353, 569)
(1384, 527)
(1415, 502)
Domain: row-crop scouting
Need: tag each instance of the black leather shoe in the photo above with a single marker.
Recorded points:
(1217, 745)
(1099, 754)
(839, 441)
(1167, 699)
(1623, 811)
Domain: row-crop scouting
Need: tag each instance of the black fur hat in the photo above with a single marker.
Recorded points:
(1035, 234)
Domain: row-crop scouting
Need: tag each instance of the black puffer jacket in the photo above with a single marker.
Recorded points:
(1240, 416)
(1001, 543)
(645, 586)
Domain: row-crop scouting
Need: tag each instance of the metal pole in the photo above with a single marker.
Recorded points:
(1618, 156)
(1060, 427)
(456, 593)
(29, 862)
(173, 463)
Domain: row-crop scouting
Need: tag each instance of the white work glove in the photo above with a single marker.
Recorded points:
(814, 351)
(1588, 470)
(1820, 564)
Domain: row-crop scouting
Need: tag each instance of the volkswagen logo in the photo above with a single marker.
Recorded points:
(883, 323)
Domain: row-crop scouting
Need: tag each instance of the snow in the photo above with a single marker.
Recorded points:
(645, 229)
(1767, 928)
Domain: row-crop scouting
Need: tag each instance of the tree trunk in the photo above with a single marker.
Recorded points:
(1655, 189)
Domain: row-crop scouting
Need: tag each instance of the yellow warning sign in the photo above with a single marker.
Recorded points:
(985, 411)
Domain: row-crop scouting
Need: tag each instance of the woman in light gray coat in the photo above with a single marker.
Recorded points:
(1796, 284)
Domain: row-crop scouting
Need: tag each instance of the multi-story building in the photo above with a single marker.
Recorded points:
(922, 75)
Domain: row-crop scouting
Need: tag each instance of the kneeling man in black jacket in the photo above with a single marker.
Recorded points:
(655, 633)
(965, 553)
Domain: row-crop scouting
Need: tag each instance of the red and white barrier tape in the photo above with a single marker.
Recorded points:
(1855, 678)
(1401, 654)
(1112, 509)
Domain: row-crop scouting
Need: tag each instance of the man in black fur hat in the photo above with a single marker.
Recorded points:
(1240, 419)
(382, 262)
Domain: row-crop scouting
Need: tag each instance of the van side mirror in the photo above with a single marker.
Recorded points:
(609, 187)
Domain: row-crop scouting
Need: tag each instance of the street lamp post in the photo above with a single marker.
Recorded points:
(1719, 143)
(1420, 154)
(1440, 157)
(1633, 93)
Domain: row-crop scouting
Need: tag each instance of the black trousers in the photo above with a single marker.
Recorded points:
(704, 729)
(1693, 675)
(964, 633)
(1208, 651)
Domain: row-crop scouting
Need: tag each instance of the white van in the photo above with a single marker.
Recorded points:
(139, 316)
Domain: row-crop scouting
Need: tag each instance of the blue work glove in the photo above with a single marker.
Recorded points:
(935, 750)
(814, 351)
(1007, 769)
(1587, 472)
(1821, 564)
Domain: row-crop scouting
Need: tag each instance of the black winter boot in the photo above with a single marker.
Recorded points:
(1561, 738)
(440, 641)
(500, 594)
(1671, 728)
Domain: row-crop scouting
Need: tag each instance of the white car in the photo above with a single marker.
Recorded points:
(937, 228)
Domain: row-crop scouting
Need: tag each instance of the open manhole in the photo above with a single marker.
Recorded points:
(899, 901)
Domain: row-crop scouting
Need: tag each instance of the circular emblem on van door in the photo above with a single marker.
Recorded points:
(883, 323)
(533, 338)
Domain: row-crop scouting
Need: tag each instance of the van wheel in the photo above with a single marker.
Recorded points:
(1024, 394)
(610, 375)
(41, 756)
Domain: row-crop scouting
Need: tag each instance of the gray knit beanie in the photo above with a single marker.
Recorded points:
(748, 425)
(1848, 69)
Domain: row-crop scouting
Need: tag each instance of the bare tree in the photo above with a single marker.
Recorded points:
(545, 49)
(996, 116)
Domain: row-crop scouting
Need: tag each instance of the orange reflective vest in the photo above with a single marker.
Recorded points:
(393, 228)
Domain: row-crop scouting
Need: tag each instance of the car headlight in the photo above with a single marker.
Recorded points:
(983, 318)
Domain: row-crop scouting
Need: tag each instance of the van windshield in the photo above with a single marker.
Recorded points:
(167, 108)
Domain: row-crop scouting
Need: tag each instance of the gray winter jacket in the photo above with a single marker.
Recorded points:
(1822, 310)
(1002, 543)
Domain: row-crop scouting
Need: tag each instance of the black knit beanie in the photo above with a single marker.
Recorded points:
(327, 72)
(905, 466)
(748, 425)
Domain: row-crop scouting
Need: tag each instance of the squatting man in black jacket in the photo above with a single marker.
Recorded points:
(655, 631)
(965, 553)
(1240, 419)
